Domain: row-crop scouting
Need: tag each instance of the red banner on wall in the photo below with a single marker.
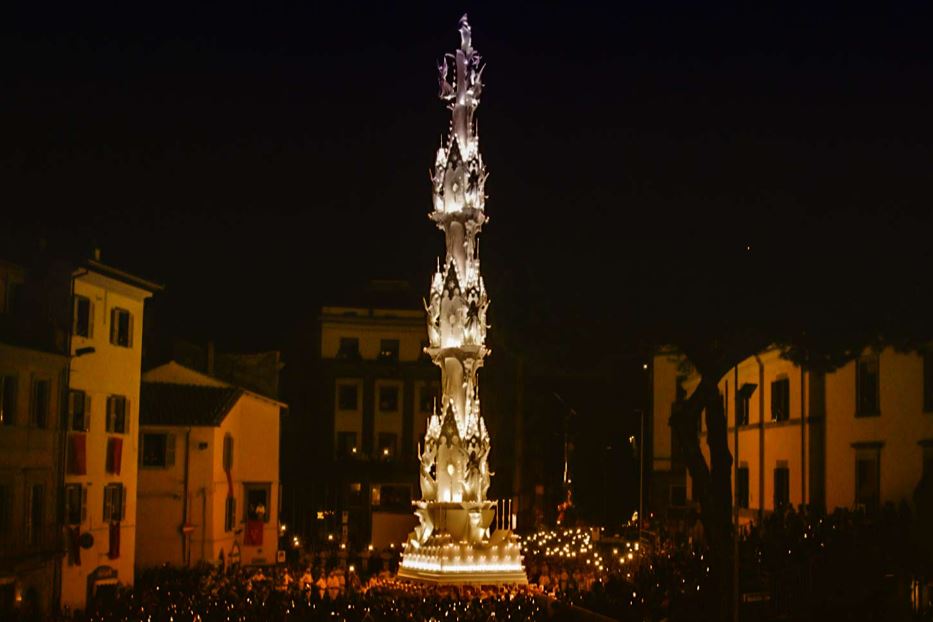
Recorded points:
(253, 535)
(114, 551)
(114, 455)
(74, 546)
(77, 454)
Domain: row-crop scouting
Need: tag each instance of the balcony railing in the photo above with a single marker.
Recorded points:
(34, 542)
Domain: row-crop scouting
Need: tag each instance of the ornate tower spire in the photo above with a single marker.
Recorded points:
(454, 542)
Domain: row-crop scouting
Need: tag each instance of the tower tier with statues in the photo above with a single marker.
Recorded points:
(457, 540)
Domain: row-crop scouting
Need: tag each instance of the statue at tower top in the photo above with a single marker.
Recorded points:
(459, 175)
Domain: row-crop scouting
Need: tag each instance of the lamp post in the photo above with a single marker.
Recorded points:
(639, 450)
(568, 479)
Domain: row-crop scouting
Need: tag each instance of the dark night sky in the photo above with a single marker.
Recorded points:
(254, 158)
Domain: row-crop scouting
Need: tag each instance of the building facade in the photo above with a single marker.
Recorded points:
(861, 436)
(378, 389)
(209, 471)
(33, 377)
(101, 422)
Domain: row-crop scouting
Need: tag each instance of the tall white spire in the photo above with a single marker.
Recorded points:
(453, 543)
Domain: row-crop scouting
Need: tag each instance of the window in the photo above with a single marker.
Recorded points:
(228, 454)
(426, 397)
(79, 411)
(387, 444)
(780, 400)
(121, 328)
(7, 400)
(388, 399)
(927, 460)
(741, 409)
(346, 444)
(75, 504)
(35, 513)
(116, 414)
(83, 317)
(678, 495)
(114, 502)
(388, 350)
(41, 392)
(347, 398)
(349, 348)
(741, 484)
(257, 501)
(928, 381)
(355, 494)
(230, 514)
(158, 450)
(866, 386)
(867, 477)
(15, 299)
(393, 496)
(6, 502)
(781, 486)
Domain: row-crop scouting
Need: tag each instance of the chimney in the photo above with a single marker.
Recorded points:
(96, 253)
(210, 358)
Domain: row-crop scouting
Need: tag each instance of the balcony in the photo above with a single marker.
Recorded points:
(43, 541)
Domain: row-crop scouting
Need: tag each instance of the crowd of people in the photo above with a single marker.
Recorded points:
(209, 594)
(795, 564)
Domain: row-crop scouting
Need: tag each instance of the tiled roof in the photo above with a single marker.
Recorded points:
(163, 403)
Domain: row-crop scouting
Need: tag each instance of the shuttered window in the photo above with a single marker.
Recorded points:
(75, 504)
(121, 328)
(79, 411)
(780, 400)
(83, 317)
(114, 502)
(7, 400)
(158, 450)
(117, 406)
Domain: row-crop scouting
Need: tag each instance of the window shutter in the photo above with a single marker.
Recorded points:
(108, 502)
(126, 415)
(129, 330)
(114, 328)
(122, 502)
(87, 412)
(83, 503)
(169, 450)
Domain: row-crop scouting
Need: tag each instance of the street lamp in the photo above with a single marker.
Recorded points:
(638, 450)
(567, 503)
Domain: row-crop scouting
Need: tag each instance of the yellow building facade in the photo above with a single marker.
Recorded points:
(101, 418)
(861, 436)
(209, 471)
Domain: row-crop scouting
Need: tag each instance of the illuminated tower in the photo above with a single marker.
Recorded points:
(456, 541)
